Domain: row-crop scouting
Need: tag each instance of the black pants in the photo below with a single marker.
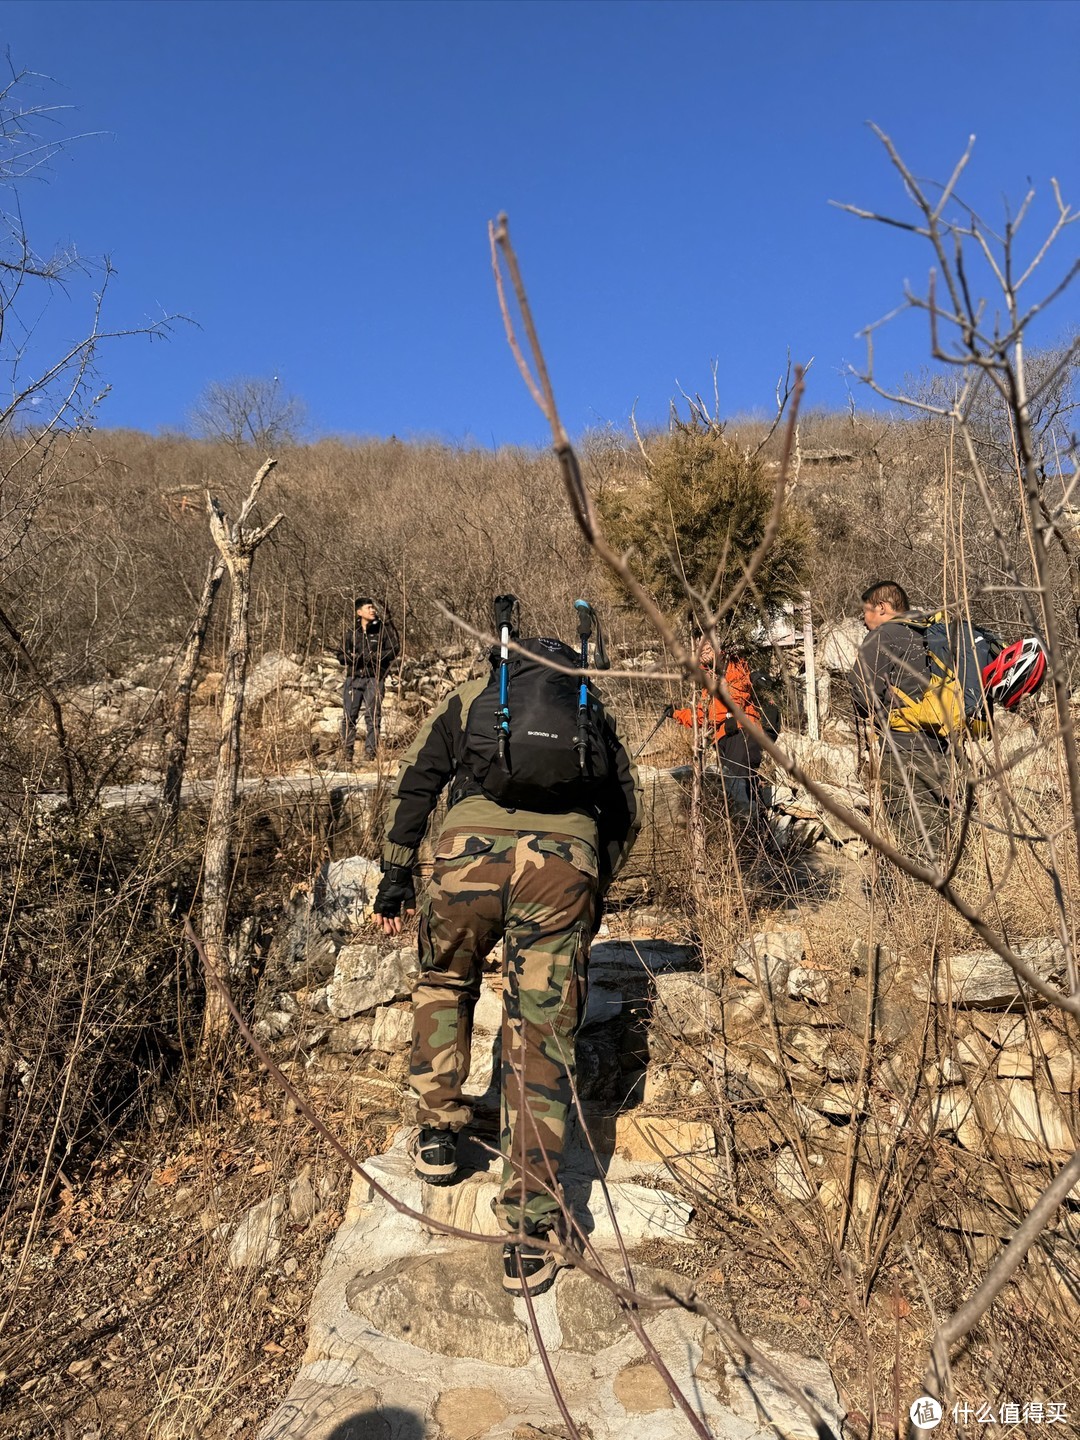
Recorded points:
(739, 758)
(366, 692)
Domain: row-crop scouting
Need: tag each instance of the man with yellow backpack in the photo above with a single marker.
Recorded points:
(924, 682)
(912, 761)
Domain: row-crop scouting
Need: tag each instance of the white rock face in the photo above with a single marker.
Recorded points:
(980, 978)
(272, 671)
(770, 954)
(807, 983)
(756, 1396)
(368, 975)
(348, 891)
(685, 1009)
(257, 1238)
(1024, 1121)
(391, 1029)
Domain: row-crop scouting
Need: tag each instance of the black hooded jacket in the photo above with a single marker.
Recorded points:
(369, 654)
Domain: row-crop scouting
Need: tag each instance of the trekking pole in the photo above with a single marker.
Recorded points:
(585, 626)
(665, 716)
(504, 623)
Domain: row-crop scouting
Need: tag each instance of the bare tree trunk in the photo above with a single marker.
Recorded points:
(236, 547)
(176, 736)
(55, 710)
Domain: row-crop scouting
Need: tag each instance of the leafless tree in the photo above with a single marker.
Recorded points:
(236, 546)
(177, 730)
(251, 411)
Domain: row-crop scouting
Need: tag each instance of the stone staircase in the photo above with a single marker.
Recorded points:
(411, 1336)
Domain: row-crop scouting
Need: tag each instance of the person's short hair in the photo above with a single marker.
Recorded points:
(887, 592)
(361, 601)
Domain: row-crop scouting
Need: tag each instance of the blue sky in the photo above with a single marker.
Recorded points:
(311, 184)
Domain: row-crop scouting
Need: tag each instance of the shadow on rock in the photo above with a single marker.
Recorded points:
(385, 1423)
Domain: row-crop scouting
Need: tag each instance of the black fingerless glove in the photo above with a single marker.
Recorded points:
(395, 893)
(730, 725)
(669, 711)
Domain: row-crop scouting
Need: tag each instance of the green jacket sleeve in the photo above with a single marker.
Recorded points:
(427, 767)
(620, 810)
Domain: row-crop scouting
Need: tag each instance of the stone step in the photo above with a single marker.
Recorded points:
(412, 1336)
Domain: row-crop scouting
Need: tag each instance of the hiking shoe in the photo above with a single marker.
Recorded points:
(527, 1268)
(435, 1155)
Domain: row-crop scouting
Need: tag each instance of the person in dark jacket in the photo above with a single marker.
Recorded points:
(535, 880)
(914, 766)
(369, 648)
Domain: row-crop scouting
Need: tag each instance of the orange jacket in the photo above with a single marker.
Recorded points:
(737, 679)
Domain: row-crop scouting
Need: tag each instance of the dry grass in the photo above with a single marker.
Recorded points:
(928, 1216)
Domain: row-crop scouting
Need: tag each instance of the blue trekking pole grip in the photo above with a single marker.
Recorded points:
(585, 625)
(504, 622)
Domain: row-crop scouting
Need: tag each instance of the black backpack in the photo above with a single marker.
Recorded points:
(764, 688)
(556, 756)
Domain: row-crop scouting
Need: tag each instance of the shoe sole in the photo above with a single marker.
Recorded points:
(435, 1174)
(513, 1285)
(437, 1177)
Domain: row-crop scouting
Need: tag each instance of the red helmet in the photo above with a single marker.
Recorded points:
(1016, 672)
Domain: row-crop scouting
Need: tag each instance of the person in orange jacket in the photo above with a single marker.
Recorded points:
(738, 754)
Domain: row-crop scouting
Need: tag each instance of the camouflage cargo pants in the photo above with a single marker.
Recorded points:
(536, 892)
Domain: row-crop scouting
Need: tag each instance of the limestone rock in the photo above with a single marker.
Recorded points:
(451, 1303)
(273, 1024)
(685, 1009)
(368, 975)
(806, 982)
(654, 1138)
(272, 671)
(322, 916)
(838, 644)
(391, 1029)
(317, 1411)
(666, 1085)
(824, 1050)
(640, 1390)
(1065, 1072)
(350, 1037)
(750, 1074)
(345, 891)
(468, 1412)
(638, 959)
(589, 1315)
(744, 1009)
(789, 1177)
(769, 956)
(487, 1017)
(1025, 1122)
(257, 1238)
(980, 978)
(755, 1396)
(837, 1097)
(1007, 1031)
